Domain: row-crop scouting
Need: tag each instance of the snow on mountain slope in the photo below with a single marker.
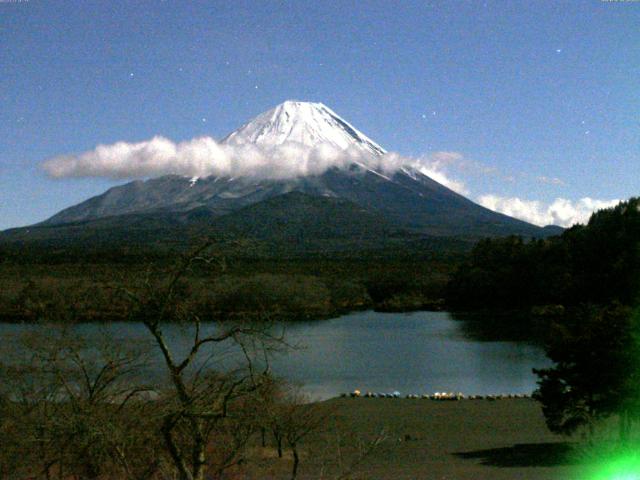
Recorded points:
(305, 123)
(352, 167)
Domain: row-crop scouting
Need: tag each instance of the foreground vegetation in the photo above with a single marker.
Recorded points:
(88, 411)
(74, 410)
(303, 288)
(340, 438)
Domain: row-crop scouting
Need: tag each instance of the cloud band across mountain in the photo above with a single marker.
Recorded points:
(203, 157)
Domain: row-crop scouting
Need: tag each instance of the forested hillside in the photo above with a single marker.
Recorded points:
(594, 263)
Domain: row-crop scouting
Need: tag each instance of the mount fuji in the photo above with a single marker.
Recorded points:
(306, 123)
(353, 197)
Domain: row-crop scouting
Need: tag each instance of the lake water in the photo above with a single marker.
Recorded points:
(419, 352)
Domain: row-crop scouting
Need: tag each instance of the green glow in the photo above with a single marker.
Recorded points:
(623, 467)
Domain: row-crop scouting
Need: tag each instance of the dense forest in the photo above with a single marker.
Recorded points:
(595, 263)
(580, 290)
(69, 284)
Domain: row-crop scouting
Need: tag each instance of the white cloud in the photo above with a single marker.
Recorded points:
(203, 156)
(437, 166)
(561, 211)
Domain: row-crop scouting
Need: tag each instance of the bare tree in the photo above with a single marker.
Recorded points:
(349, 452)
(300, 419)
(74, 408)
(80, 410)
(290, 417)
(203, 394)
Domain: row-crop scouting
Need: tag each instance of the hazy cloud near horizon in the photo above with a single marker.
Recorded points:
(203, 156)
(560, 212)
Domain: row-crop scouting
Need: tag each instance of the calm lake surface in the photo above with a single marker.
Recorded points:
(418, 352)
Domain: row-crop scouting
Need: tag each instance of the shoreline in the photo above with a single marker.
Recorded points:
(458, 440)
(288, 317)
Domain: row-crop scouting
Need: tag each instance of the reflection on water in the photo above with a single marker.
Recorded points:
(515, 326)
(418, 352)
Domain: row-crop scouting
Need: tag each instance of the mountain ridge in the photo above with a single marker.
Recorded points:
(404, 197)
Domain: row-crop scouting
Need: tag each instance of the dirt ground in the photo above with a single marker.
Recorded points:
(426, 439)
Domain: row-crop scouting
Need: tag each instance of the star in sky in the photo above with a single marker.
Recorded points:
(482, 122)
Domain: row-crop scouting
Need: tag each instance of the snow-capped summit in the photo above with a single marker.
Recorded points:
(403, 199)
(306, 123)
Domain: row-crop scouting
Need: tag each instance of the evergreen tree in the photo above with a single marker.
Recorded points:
(596, 372)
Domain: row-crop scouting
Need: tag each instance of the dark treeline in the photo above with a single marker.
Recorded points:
(78, 270)
(597, 263)
(62, 285)
(579, 290)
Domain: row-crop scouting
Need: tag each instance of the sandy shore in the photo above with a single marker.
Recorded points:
(426, 439)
